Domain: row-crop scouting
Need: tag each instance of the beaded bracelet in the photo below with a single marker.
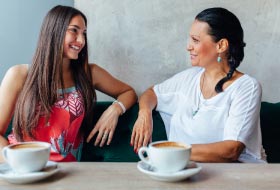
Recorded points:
(121, 104)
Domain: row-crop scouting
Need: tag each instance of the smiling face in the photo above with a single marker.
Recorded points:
(74, 38)
(202, 48)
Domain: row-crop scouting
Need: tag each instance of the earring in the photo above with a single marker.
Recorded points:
(219, 59)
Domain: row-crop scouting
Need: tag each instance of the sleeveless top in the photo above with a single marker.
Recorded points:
(62, 130)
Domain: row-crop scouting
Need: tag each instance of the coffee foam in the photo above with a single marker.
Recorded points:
(27, 146)
(170, 145)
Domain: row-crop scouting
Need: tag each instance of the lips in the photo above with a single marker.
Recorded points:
(192, 56)
(72, 52)
(76, 48)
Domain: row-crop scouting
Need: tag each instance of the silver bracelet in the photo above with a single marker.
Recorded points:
(121, 104)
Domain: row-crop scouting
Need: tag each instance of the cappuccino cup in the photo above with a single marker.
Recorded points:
(26, 157)
(166, 156)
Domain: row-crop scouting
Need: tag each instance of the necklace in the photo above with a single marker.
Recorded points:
(200, 94)
(213, 92)
(199, 97)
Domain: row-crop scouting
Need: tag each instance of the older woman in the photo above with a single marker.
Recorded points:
(212, 105)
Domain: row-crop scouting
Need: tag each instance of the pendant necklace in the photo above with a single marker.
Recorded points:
(199, 97)
(200, 94)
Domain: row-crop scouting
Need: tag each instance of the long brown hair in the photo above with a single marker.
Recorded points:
(44, 77)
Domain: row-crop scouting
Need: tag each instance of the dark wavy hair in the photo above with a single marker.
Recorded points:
(224, 24)
(45, 74)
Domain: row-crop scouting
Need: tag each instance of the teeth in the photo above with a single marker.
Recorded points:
(75, 47)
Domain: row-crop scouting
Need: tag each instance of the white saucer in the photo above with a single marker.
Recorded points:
(189, 171)
(9, 175)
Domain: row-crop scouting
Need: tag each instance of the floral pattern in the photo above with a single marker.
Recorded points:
(62, 130)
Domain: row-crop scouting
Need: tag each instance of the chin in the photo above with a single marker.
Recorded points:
(72, 57)
(194, 64)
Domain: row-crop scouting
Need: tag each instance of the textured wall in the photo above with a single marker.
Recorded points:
(143, 41)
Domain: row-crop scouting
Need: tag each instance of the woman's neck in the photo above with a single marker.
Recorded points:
(68, 79)
(66, 65)
(215, 73)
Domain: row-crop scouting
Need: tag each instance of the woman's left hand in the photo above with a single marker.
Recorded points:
(106, 126)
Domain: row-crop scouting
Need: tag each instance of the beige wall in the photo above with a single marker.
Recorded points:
(143, 41)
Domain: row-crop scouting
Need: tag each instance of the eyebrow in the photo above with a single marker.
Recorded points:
(76, 26)
(196, 36)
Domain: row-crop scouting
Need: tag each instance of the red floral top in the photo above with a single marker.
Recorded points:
(62, 129)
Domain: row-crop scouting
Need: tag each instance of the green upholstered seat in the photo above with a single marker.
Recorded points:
(270, 126)
(120, 150)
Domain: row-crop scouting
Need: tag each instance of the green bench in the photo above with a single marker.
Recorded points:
(270, 127)
(120, 150)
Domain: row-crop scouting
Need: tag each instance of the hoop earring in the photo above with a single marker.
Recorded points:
(219, 59)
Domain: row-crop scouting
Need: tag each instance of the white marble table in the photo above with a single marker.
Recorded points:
(124, 176)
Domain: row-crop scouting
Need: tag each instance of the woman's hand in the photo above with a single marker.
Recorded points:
(3, 143)
(142, 130)
(106, 125)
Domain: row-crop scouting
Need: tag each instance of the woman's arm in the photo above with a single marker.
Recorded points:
(143, 127)
(106, 83)
(224, 151)
(122, 92)
(11, 86)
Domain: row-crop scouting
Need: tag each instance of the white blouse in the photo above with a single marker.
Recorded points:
(230, 115)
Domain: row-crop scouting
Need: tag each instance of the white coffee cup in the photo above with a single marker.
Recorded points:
(27, 157)
(166, 156)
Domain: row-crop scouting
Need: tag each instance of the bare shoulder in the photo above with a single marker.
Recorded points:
(16, 75)
(97, 71)
(18, 70)
(94, 67)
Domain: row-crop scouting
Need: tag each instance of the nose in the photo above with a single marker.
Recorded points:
(189, 47)
(81, 39)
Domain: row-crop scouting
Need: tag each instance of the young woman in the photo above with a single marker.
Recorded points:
(212, 106)
(52, 99)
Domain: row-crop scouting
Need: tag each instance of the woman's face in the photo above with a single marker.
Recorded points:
(74, 38)
(202, 48)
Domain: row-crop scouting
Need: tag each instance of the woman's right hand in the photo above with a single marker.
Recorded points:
(106, 125)
(3, 143)
(142, 130)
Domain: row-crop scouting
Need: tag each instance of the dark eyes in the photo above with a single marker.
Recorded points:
(76, 31)
(195, 40)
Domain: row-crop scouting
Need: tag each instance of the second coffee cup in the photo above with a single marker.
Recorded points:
(166, 156)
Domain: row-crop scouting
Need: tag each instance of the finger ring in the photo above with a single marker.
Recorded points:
(104, 135)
